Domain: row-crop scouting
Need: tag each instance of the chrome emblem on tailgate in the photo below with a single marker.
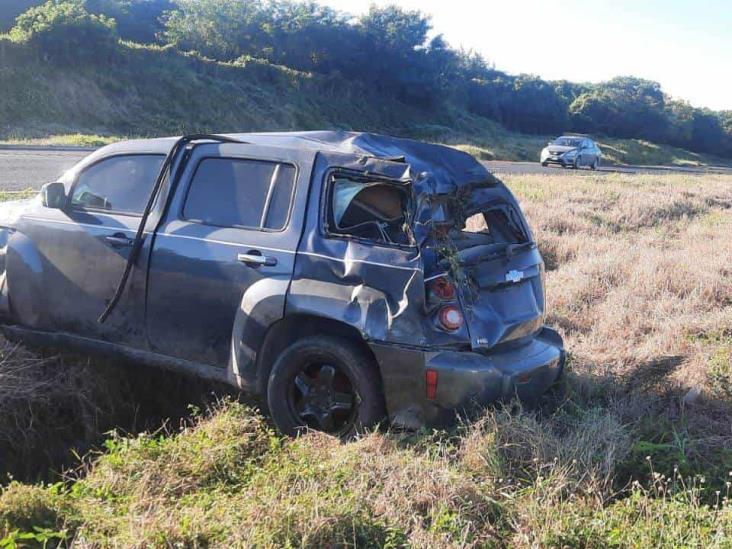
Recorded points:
(514, 276)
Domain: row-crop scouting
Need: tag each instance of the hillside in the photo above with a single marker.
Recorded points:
(152, 90)
(632, 450)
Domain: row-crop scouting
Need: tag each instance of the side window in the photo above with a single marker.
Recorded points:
(119, 184)
(369, 209)
(253, 194)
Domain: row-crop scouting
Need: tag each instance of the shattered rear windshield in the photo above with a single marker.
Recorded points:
(370, 209)
(499, 224)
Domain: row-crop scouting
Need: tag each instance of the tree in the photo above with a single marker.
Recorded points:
(10, 9)
(311, 37)
(394, 54)
(223, 29)
(137, 20)
(624, 107)
(64, 31)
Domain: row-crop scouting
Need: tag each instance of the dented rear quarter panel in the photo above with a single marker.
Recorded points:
(377, 289)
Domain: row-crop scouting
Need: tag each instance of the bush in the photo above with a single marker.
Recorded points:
(64, 31)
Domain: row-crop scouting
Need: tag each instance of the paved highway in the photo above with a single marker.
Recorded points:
(24, 168)
(499, 166)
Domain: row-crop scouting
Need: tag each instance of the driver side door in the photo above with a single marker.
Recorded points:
(82, 250)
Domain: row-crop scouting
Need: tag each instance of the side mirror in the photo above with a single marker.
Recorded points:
(53, 195)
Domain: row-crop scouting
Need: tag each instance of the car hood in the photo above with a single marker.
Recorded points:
(10, 211)
(560, 149)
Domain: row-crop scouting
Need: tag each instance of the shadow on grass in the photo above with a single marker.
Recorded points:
(65, 405)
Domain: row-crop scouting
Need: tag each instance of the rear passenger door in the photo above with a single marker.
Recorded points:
(224, 253)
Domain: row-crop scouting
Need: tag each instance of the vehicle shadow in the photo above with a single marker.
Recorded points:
(66, 405)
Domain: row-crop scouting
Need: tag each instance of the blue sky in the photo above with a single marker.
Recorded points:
(686, 46)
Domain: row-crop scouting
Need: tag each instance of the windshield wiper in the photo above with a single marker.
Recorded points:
(179, 145)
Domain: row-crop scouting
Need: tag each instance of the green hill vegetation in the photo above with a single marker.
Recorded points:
(124, 68)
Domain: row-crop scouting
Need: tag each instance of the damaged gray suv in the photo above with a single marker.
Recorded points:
(343, 277)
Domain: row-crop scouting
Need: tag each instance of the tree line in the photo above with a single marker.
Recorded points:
(388, 48)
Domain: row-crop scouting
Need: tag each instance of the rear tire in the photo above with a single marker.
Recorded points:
(327, 384)
(595, 164)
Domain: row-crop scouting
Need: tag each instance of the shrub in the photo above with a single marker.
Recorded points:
(63, 31)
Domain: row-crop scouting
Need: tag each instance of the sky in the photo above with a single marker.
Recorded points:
(684, 45)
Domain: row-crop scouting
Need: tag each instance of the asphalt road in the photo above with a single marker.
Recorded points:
(21, 169)
(24, 168)
(499, 166)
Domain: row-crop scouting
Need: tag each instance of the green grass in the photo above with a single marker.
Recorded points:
(68, 140)
(228, 480)
(5, 196)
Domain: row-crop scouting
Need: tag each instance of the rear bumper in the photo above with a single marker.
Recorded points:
(466, 380)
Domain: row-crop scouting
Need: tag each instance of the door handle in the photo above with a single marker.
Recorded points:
(255, 259)
(118, 240)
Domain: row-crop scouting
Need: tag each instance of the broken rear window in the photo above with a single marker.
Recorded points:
(371, 209)
(500, 223)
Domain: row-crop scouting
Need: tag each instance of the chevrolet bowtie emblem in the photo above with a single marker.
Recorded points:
(514, 276)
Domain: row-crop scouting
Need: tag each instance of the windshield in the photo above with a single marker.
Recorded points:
(567, 142)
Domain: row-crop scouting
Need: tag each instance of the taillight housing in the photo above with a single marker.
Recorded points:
(442, 288)
(450, 318)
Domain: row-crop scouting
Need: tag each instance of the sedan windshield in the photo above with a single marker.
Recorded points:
(567, 142)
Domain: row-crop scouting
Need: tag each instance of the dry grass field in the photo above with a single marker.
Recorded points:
(632, 449)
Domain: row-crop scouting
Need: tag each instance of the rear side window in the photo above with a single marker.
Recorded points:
(368, 209)
(119, 184)
(251, 194)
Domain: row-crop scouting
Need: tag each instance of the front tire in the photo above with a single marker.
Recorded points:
(327, 384)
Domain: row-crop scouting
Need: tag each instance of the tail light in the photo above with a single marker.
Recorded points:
(450, 318)
(443, 288)
(430, 377)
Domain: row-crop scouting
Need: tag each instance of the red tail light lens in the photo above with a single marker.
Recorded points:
(430, 377)
(443, 288)
(451, 318)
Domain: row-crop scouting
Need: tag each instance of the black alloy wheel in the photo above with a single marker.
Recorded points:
(327, 384)
(324, 398)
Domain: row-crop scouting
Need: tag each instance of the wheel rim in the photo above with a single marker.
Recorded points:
(323, 397)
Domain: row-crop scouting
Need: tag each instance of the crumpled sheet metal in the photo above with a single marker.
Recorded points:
(379, 290)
